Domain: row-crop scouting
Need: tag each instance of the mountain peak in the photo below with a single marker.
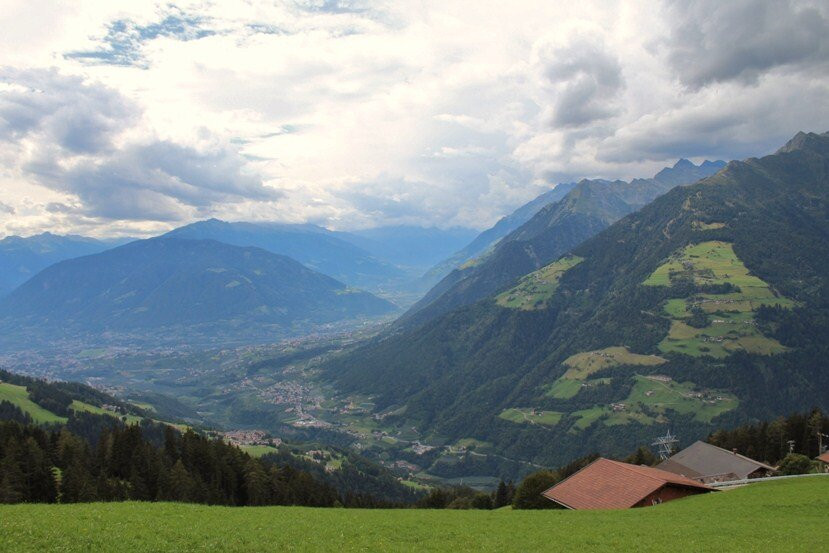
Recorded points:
(684, 164)
(807, 141)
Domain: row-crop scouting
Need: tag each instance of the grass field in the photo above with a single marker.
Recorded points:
(258, 450)
(19, 396)
(658, 396)
(582, 365)
(777, 516)
(533, 290)
(529, 416)
(680, 397)
(731, 314)
(81, 406)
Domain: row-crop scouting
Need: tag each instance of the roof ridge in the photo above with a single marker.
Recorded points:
(740, 455)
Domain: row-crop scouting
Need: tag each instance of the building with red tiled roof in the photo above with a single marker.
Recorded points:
(606, 484)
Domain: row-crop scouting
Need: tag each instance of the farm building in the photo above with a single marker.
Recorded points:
(606, 484)
(708, 463)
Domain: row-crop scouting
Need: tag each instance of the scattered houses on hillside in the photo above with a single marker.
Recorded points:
(708, 464)
(606, 484)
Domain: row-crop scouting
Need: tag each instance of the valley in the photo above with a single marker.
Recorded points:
(260, 396)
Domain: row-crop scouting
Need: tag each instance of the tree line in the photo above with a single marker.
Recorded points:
(56, 465)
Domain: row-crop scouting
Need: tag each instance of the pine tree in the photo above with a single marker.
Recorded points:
(256, 483)
(501, 496)
(12, 479)
(181, 483)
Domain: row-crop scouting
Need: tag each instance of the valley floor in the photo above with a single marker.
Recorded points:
(778, 516)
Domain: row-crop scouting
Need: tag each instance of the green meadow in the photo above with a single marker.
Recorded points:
(658, 396)
(778, 516)
(19, 396)
(731, 315)
(534, 289)
(531, 416)
(584, 364)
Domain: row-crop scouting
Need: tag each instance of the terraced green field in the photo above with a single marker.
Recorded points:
(534, 289)
(19, 396)
(583, 365)
(778, 516)
(731, 325)
(531, 416)
(657, 395)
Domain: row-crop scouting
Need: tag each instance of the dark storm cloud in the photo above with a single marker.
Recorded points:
(63, 118)
(124, 39)
(715, 41)
(587, 79)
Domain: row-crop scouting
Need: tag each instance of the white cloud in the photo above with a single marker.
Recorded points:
(353, 114)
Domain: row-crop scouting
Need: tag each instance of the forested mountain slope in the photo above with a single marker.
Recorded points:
(492, 235)
(589, 207)
(315, 247)
(183, 286)
(708, 306)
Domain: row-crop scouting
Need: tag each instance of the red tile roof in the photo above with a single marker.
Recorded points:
(606, 484)
(824, 457)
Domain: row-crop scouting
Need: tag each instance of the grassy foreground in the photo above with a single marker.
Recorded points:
(777, 516)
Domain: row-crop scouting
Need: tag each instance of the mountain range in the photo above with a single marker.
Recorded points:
(182, 288)
(22, 258)
(709, 305)
(585, 209)
(315, 247)
(488, 238)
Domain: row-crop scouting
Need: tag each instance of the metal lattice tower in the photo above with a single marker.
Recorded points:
(665, 445)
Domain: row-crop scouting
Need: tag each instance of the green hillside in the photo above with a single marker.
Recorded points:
(778, 516)
(557, 227)
(19, 396)
(707, 307)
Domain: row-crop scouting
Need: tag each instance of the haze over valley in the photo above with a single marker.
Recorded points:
(387, 257)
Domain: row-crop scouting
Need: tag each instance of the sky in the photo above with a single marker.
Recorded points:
(129, 118)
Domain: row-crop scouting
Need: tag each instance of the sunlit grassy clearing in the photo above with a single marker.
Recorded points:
(19, 396)
(536, 288)
(584, 364)
(531, 416)
(732, 326)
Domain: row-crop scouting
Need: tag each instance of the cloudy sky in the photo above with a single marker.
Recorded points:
(132, 117)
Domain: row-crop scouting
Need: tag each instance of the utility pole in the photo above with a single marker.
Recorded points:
(791, 446)
(665, 445)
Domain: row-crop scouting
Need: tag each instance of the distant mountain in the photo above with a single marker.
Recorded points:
(410, 246)
(21, 258)
(177, 287)
(488, 238)
(705, 308)
(322, 250)
(588, 207)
